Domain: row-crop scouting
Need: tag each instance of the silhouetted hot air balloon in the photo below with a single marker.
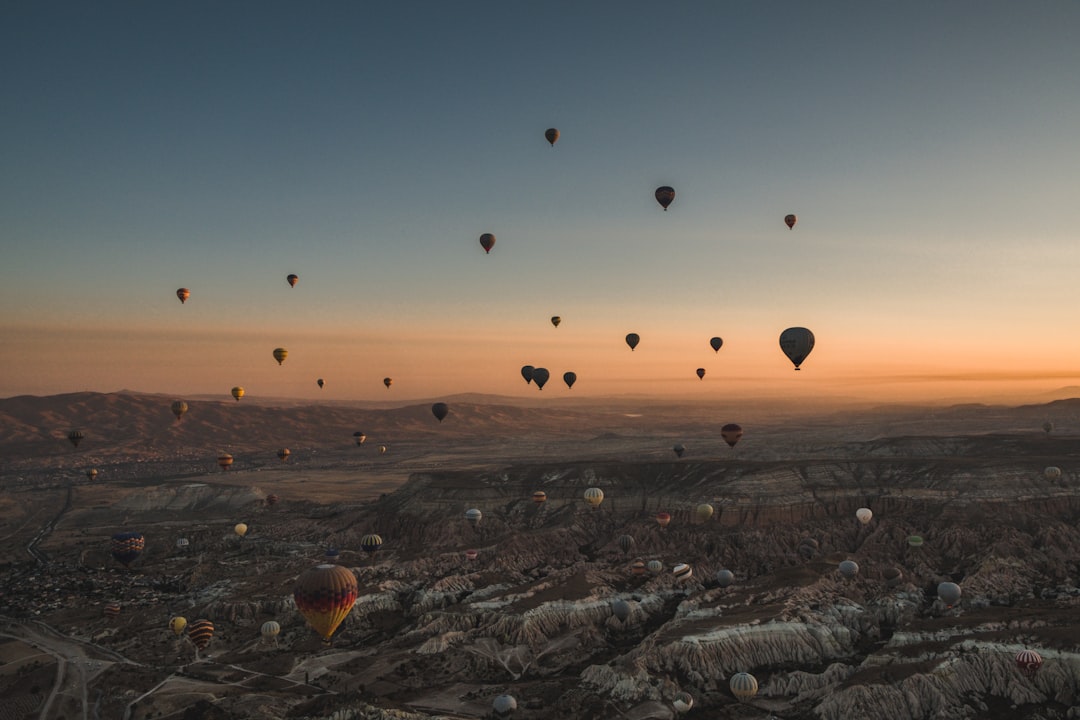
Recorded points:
(91, 474)
(743, 686)
(539, 497)
(790, 221)
(388, 382)
(238, 392)
(665, 194)
(620, 609)
(177, 625)
(280, 354)
(440, 410)
(371, 543)
(864, 515)
(1029, 662)
(324, 595)
(473, 516)
(663, 519)
(504, 706)
(283, 454)
(716, 343)
(704, 512)
(240, 529)
(127, 546)
(225, 460)
(552, 136)
(701, 373)
(76, 437)
(183, 294)
(594, 496)
(360, 437)
(200, 632)
(632, 340)
(272, 499)
(569, 378)
(731, 433)
(724, 578)
(179, 407)
(796, 343)
(487, 241)
(527, 373)
(679, 449)
(292, 280)
(950, 593)
(1048, 427)
(626, 543)
(270, 630)
(320, 382)
(849, 568)
(540, 377)
(555, 320)
(682, 702)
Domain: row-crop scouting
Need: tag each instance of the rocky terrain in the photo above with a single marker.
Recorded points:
(435, 634)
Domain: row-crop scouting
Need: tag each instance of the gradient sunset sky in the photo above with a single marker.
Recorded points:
(931, 151)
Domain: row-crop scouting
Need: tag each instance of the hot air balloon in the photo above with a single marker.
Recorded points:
(539, 497)
(716, 343)
(790, 221)
(320, 382)
(626, 543)
(270, 630)
(238, 392)
(183, 294)
(240, 529)
(704, 512)
(225, 460)
(665, 194)
(324, 595)
(1052, 473)
(949, 593)
(200, 632)
(724, 578)
(594, 496)
(272, 500)
(632, 340)
(177, 625)
(112, 610)
(551, 135)
(388, 382)
(679, 449)
(91, 474)
(893, 576)
(555, 320)
(637, 567)
(620, 609)
(330, 555)
(682, 702)
(701, 373)
(504, 706)
(383, 449)
(796, 343)
(915, 540)
(473, 516)
(569, 378)
(127, 546)
(527, 373)
(1029, 662)
(471, 555)
(731, 433)
(280, 354)
(487, 241)
(179, 407)
(1048, 427)
(291, 280)
(663, 519)
(182, 543)
(283, 454)
(655, 566)
(743, 686)
(540, 377)
(76, 437)
(682, 572)
(808, 548)
(864, 515)
(440, 410)
(849, 568)
(360, 437)
(371, 543)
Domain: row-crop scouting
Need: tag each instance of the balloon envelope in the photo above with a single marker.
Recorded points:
(796, 343)
(594, 496)
(270, 629)
(849, 568)
(626, 543)
(225, 461)
(665, 194)
(291, 280)
(539, 497)
(76, 437)
(704, 512)
(682, 572)
(540, 376)
(716, 343)
(569, 378)
(473, 516)
(283, 454)
(864, 515)
(701, 373)
(200, 633)
(679, 449)
(1052, 473)
(370, 543)
(387, 382)
(325, 594)
(552, 135)
(663, 519)
(280, 354)
(238, 392)
(949, 592)
(555, 320)
(320, 382)
(179, 407)
(177, 625)
(731, 433)
(1029, 662)
(682, 702)
(725, 578)
(240, 529)
(620, 609)
(527, 373)
(632, 340)
(487, 241)
(743, 686)
(127, 546)
(183, 294)
(440, 410)
(790, 221)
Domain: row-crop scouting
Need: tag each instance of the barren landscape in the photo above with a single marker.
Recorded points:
(435, 634)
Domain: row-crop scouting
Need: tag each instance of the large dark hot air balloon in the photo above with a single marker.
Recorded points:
(679, 449)
(280, 354)
(179, 407)
(487, 241)
(388, 382)
(665, 194)
(620, 609)
(555, 320)
(569, 378)
(716, 343)
(76, 437)
(552, 136)
(324, 595)
(127, 546)
(797, 342)
(320, 382)
(790, 221)
(504, 706)
(540, 377)
(440, 410)
(701, 373)
(527, 373)
(291, 279)
(731, 434)
(632, 340)
(183, 294)
(200, 632)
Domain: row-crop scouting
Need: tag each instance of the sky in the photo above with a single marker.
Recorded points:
(929, 149)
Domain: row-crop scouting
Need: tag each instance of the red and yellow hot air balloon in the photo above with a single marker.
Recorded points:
(325, 595)
(183, 294)
(200, 632)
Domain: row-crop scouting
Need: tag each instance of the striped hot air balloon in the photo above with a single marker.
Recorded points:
(682, 702)
(325, 594)
(539, 497)
(127, 546)
(370, 543)
(225, 461)
(200, 633)
(471, 555)
(626, 543)
(270, 630)
(112, 610)
(743, 686)
(655, 566)
(594, 496)
(637, 567)
(682, 572)
(1029, 662)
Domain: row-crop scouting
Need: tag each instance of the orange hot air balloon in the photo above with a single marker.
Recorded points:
(487, 241)
(292, 280)
(183, 294)
(200, 632)
(238, 392)
(731, 434)
(539, 497)
(790, 221)
(665, 194)
(551, 135)
(91, 474)
(325, 595)
(225, 460)
(280, 354)
(663, 519)
(283, 454)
